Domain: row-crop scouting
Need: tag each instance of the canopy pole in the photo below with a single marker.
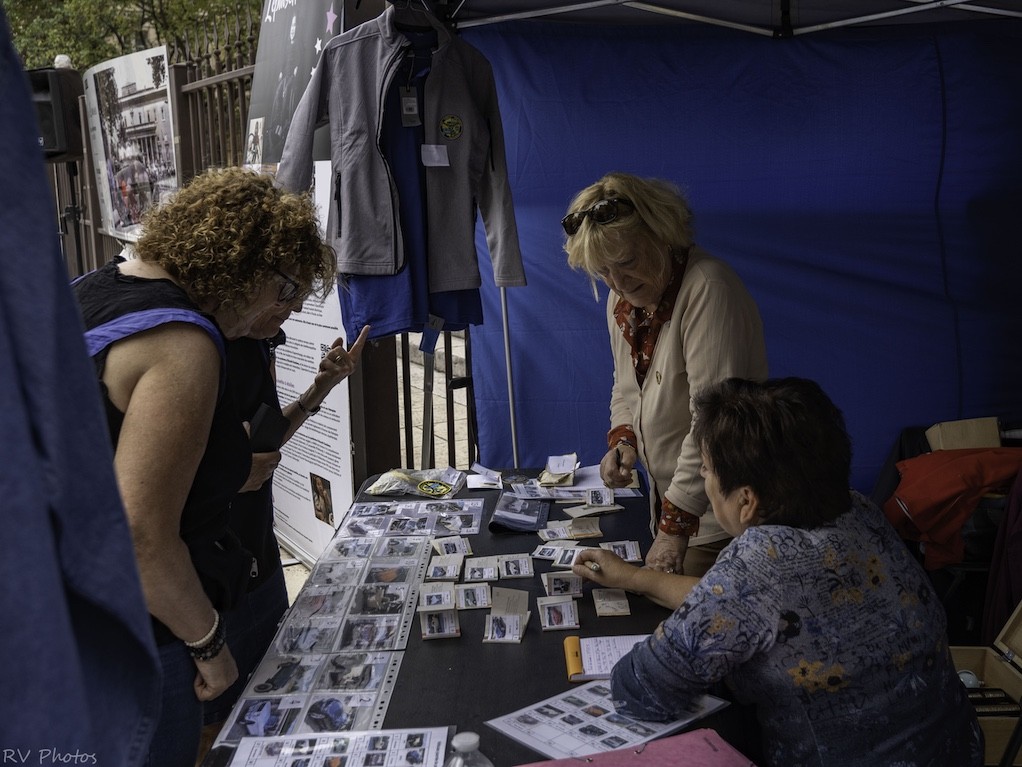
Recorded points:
(510, 378)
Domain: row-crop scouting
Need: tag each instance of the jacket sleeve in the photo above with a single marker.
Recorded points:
(295, 170)
(621, 409)
(722, 338)
(495, 201)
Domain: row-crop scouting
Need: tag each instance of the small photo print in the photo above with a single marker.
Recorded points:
(379, 599)
(572, 719)
(599, 496)
(322, 500)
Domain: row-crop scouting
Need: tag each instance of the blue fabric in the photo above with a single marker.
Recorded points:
(81, 674)
(176, 740)
(251, 626)
(834, 634)
(864, 183)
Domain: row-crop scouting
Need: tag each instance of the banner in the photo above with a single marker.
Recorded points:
(130, 124)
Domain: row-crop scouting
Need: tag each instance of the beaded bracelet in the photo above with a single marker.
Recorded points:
(308, 411)
(210, 645)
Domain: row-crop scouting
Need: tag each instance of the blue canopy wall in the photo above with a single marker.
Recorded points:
(866, 184)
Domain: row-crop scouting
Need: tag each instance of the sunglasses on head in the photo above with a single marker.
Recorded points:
(602, 212)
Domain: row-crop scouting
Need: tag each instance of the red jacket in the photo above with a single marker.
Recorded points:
(939, 491)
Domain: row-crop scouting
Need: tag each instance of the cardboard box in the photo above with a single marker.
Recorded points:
(997, 666)
(956, 435)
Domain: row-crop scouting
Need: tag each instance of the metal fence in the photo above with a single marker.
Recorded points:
(210, 79)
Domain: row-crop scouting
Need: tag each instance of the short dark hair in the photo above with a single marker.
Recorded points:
(785, 439)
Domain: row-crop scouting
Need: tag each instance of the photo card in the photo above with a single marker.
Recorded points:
(307, 635)
(355, 671)
(369, 633)
(516, 566)
(557, 613)
(260, 717)
(336, 712)
(436, 596)
(611, 602)
(379, 599)
(562, 584)
(349, 548)
(627, 550)
(508, 628)
(453, 544)
(440, 625)
(446, 567)
(482, 569)
(392, 571)
(401, 546)
(321, 600)
(284, 674)
(341, 572)
(472, 596)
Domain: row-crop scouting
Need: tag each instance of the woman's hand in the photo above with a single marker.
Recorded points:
(339, 363)
(616, 466)
(215, 675)
(667, 553)
(263, 465)
(604, 568)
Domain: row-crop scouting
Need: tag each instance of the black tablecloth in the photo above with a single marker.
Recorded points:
(464, 682)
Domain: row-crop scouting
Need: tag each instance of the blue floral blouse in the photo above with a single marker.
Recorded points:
(834, 635)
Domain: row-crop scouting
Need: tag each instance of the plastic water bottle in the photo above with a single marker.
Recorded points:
(466, 752)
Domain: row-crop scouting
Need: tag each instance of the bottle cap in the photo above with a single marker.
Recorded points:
(465, 741)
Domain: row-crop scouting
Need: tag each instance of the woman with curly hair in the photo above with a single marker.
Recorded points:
(211, 262)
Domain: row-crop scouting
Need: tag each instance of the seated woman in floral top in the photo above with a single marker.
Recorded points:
(816, 613)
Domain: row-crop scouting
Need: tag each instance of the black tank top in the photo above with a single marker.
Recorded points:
(115, 305)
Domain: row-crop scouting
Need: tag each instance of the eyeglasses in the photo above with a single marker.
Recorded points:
(291, 290)
(602, 212)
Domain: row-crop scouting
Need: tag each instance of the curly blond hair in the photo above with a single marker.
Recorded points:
(661, 215)
(229, 231)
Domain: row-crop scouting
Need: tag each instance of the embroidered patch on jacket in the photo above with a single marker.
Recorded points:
(451, 127)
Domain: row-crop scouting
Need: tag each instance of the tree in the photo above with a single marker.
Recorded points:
(92, 31)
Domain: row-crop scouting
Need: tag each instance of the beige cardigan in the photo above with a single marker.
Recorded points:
(714, 333)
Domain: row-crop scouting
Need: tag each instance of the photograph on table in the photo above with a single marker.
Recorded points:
(505, 627)
(562, 584)
(370, 633)
(469, 596)
(627, 550)
(284, 674)
(557, 613)
(416, 525)
(482, 569)
(348, 548)
(307, 635)
(328, 712)
(392, 571)
(355, 527)
(516, 566)
(401, 546)
(454, 544)
(340, 572)
(442, 624)
(262, 717)
(374, 509)
(379, 599)
(358, 671)
(315, 600)
(446, 567)
(424, 747)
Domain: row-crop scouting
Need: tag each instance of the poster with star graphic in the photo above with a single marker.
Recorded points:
(291, 37)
